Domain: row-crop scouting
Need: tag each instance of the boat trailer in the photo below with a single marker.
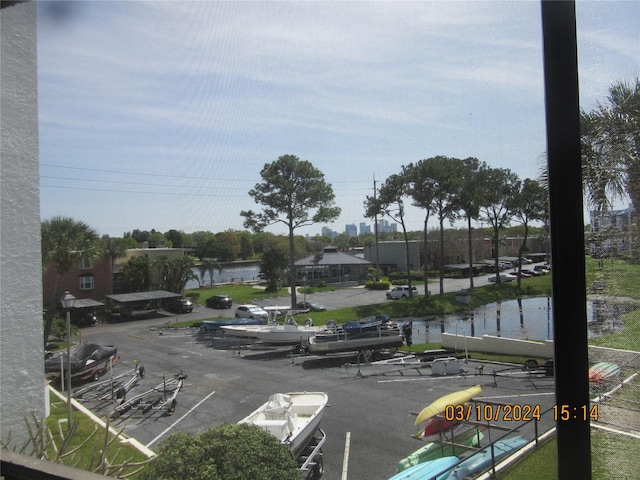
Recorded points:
(310, 461)
(113, 388)
(161, 397)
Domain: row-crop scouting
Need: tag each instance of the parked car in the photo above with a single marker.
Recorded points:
(401, 291)
(533, 273)
(504, 277)
(543, 269)
(179, 305)
(83, 317)
(219, 301)
(311, 306)
(251, 311)
(523, 274)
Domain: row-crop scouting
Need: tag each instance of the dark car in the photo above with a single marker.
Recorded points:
(219, 301)
(179, 305)
(83, 318)
(311, 306)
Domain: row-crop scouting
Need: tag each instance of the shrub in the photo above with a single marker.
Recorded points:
(377, 285)
(227, 452)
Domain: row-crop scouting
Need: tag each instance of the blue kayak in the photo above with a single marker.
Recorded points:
(427, 470)
(481, 460)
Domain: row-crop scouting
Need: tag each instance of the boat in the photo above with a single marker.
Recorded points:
(439, 406)
(433, 450)
(603, 371)
(287, 333)
(292, 418)
(481, 460)
(87, 360)
(216, 325)
(434, 469)
(353, 336)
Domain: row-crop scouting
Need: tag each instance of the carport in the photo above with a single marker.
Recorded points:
(461, 270)
(138, 305)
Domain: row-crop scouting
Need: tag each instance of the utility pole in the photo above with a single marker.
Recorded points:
(375, 226)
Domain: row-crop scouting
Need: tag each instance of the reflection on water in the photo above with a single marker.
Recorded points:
(524, 319)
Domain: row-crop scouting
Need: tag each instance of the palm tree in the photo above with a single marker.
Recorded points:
(113, 248)
(390, 202)
(208, 265)
(64, 241)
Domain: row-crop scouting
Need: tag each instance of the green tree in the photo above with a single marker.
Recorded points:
(389, 201)
(295, 193)
(501, 186)
(174, 274)
(530, 204)
(227, 452)
(113, 248)
(64, 241)
(134, 275)
(469, 200)
(274, 263)
(246, 245)
(209, 265)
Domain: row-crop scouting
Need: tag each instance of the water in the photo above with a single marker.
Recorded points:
(523, 319)
(232, 274)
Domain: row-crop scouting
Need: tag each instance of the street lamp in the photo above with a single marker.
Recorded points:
(67, 302)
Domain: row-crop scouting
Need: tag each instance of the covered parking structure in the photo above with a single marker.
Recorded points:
(462, 270)
(136, 306)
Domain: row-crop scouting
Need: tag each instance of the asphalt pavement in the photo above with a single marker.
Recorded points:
(372, 407)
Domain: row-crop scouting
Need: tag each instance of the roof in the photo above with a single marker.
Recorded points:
(86, 303)
(333, 258)
(142, 296)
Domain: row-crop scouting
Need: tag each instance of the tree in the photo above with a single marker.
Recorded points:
(208, 265)
(610, 142)
(530, 204)
(293, 192)
(64, 241)
(390, 201)
(501, 186)
(134, 275)
(469, 199)
(174, 274)
(113, 248)
(274, 263)
(422, 190)
(226, 452)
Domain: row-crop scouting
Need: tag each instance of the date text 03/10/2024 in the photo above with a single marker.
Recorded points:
(517, 413)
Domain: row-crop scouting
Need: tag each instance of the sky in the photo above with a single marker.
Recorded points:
(160, 115)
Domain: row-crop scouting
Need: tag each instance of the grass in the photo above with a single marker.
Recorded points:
(612, 456)
(82, 447)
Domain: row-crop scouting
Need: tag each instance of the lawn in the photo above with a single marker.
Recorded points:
(82, 447)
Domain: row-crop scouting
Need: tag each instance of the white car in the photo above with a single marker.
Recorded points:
(401, 291)
(251, 311)
(504, 277)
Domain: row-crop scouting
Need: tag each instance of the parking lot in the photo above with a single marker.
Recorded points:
(369, 421)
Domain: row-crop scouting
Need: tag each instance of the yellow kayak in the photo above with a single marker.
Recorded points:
(439, 406)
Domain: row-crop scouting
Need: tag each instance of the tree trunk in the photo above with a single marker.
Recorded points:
(292, 267)
(470, 252)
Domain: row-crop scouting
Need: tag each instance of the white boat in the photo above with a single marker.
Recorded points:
(292, 418)
(366, 334)
(288, 333)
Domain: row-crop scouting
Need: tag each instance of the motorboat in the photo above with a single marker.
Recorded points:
(287, 333)
(222, 323)
(87, 360)
(292, 418)
(366, 334)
